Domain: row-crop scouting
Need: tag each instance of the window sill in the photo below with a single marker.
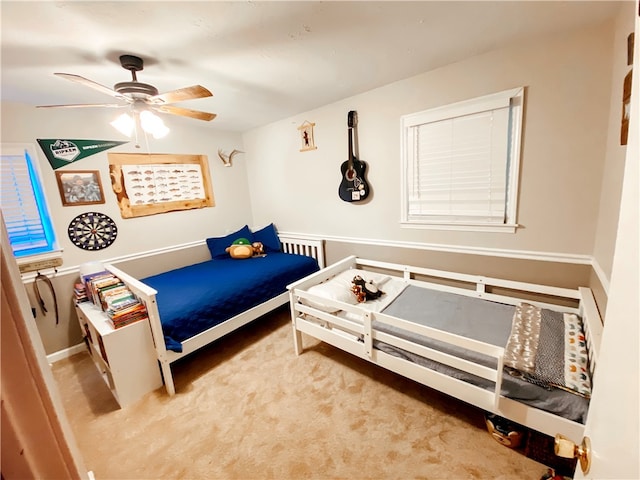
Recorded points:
(468, 227)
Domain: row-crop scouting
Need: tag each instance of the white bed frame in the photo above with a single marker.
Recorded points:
(301, 246)
(344, 334)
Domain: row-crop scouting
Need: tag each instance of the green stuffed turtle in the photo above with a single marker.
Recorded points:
(240, 248)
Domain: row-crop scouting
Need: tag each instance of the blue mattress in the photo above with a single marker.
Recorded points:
(195, 298)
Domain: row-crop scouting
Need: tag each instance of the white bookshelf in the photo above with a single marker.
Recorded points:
(125, 357)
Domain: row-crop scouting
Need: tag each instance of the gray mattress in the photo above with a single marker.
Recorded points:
(482, 320)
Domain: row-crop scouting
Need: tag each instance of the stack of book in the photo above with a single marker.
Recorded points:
(122, 316)
(80, 293)
(95, 283)
(109, 293)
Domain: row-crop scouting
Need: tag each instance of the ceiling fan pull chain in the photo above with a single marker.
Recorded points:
(146, 140)
(135, 129)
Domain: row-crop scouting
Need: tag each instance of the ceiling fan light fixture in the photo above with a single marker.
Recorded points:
(124, 124)
(153, 124)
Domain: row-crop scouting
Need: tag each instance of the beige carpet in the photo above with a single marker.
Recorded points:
(248, 408)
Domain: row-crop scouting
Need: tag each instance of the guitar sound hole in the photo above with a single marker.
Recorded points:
(350, 175)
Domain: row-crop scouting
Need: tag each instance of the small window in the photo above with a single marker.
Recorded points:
(24, 207)
(460, 164)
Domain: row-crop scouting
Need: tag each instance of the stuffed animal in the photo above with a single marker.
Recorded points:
(241, 248)
(364, 290)
(258, 249)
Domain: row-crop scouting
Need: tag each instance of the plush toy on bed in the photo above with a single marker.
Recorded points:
(258, 249)
(241, 248)
(364, 290)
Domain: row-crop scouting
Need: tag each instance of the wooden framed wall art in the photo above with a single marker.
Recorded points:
(79, 187)
(306, 136)
(148, 184)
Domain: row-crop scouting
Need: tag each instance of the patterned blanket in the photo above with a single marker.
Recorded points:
(549, 349)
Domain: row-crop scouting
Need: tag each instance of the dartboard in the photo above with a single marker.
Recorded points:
(92, 231)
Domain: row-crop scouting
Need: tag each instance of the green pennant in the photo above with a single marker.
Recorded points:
(63, 152)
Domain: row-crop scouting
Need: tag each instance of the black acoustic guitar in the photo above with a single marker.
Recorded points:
(353, 187)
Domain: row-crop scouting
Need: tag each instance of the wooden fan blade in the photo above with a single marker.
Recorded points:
(91, 84)
(83, 105)
(180, 95)
(185, 112)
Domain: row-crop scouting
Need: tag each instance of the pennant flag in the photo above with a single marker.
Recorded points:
(63, 152)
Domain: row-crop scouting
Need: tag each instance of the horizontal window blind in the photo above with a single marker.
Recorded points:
(457, 170)
(25, 215)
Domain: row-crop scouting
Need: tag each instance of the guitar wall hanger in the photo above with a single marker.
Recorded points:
(354, 186)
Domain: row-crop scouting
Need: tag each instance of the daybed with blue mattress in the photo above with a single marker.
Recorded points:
(522, 351)
(191, 306)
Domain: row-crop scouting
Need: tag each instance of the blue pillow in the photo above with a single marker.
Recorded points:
(269, 238)
(218, 245)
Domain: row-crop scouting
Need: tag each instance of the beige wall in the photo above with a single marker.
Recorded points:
(568, 80)
(615, 153)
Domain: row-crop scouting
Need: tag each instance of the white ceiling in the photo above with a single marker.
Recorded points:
(263, 61)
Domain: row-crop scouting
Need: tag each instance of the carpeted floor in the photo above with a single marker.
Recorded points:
(247, 408)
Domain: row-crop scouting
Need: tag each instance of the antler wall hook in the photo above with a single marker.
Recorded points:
(227, 159)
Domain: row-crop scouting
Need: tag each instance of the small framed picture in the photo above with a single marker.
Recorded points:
(80, 187)
(306, 136)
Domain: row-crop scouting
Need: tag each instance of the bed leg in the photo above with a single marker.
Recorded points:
(168, 378)
(297, 340)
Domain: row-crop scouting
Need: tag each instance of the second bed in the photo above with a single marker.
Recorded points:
(522, 351)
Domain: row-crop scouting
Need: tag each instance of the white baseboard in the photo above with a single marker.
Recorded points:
(66, 353)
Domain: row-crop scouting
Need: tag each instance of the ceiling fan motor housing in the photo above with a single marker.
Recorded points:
(136, 89)
(131, 62)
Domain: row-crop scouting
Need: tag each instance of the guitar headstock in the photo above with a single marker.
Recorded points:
(352, 119)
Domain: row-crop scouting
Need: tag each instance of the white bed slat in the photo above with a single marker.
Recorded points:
(451, 360)
(480, 282)
(304, 246)
(331, 320)
(324, 274)
(480, 293)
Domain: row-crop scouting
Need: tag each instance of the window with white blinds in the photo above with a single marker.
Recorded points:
(461, 162)
(24, 207)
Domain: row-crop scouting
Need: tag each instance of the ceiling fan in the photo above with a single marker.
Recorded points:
(141, 96)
